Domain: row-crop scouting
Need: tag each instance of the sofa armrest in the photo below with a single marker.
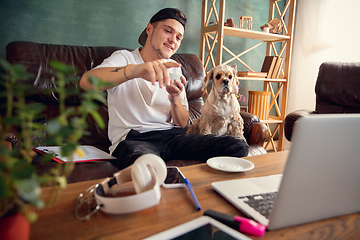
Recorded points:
(259, 134)
(291, 119)
(255, 132)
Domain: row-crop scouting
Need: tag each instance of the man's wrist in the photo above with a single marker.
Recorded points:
(174, 99)
(125, 73)
(128, 72)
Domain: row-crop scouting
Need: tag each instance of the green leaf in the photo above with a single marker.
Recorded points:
(34, 108)
(68, 149)
(99, 96)
(39, 126)
(31, 216)
(53, 126)
(5, 65)
(4, 188)
(61, 67)
(4, 151)
(99, 120)
(88, 106)
(12, 121)
(22, 170)
(95, 81)
(20, 74)
(65, 132)
(62, 181)
(29, 190)
(44, 179)
(16, 71)
(47, 157)
(72, 91)
(98, 83)
(77, 122)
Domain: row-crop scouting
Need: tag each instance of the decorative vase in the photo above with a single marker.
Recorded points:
(259, 103)
(14, 227)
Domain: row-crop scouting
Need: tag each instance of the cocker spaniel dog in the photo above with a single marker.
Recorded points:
(220, 114)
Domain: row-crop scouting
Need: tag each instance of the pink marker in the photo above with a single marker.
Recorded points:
(244, 225)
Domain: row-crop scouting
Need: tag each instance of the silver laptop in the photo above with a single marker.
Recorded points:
(321, 178)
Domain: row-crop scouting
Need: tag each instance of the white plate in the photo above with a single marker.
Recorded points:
(230, 164)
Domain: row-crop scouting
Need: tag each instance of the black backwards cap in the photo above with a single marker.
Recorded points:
(166, 13)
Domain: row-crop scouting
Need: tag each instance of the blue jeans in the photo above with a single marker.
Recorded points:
(174, 144)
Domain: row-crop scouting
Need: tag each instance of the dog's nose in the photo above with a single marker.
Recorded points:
(225, 82)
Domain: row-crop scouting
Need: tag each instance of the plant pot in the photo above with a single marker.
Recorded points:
(14, 227)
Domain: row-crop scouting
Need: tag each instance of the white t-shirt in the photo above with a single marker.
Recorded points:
(137, 104)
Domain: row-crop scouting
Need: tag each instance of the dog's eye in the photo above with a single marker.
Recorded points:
(230, 77)
(218, 76)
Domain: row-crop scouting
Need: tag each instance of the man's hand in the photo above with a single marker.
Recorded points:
(175, 88)
(155, 71)
(179, 114)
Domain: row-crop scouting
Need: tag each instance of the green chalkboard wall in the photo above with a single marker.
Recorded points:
(118, 23)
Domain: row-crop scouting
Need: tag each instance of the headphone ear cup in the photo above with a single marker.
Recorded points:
(141, 177)
(157, 163)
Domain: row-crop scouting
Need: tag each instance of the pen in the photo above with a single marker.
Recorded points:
(244, 225)
(188, 185)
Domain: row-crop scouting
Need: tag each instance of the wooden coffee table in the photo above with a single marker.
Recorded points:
(175, 208)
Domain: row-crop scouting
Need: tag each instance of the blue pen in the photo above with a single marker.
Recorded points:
(188, 185)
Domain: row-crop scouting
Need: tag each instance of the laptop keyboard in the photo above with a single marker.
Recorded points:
(261, 202)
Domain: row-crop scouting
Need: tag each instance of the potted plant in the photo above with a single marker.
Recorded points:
(20, 184)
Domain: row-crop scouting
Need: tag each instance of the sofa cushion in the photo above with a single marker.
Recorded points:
(338, 88)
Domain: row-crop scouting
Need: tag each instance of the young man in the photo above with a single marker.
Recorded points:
(148, 111)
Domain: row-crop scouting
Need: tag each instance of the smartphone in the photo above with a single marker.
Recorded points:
(174, 178)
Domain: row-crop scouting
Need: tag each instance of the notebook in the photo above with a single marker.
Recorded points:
(82, 154)
(320, 180)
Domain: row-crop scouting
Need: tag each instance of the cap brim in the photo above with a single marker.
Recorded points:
(142, 38)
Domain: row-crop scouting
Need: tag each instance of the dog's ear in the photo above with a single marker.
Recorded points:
(207, 78)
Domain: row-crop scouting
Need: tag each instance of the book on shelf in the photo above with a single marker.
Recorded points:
(278, 67)
(81, 154)
(269, 65)
(252, 74)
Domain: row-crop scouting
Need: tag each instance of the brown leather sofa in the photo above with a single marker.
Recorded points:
(35, 57)
(337, 91)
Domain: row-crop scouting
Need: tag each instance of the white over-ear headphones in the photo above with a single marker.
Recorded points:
(147, 173)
